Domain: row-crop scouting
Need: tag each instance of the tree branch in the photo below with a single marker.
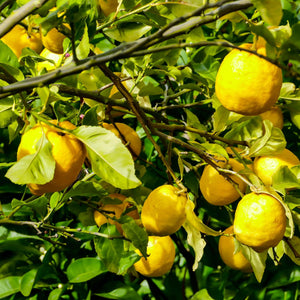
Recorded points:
(19, 15)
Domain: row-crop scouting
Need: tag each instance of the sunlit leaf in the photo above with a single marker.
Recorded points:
(270, 10)
(110, 159)
(9, 286)
(27, 282)
(34, 168)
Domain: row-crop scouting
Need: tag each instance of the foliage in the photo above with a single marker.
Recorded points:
(169, 52)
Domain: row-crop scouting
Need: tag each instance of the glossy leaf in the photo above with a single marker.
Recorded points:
(9, 286)
(110, 159)
(34, 168)
(84, 269)
(27, 282)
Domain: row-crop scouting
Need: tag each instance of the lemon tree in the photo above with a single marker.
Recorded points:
(149, 149)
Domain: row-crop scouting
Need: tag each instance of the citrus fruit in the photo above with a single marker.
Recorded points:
(108, 6)
(266, 166)
(163, 211)
(18, 38)
(114, 211)
(234, 260)
(216, 189)
(259, 221)
(247, 84)
(274, 114)
(128, 136)
(53, 41)
(160, 259)
(67, 151)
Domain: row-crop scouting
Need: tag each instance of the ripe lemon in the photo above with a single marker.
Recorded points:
(161, 251)
(274, 114)
(128, 136)
(163, 212)
(234, 260)
(216, 189)
(108, 6)
(266, 166)
(53, 41)
(246, 83)
(116, 211)
(68, 152)
(18, 38)
(259, 221)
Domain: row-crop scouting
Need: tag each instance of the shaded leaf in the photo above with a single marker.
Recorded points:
(39, 205)
(84, 269)
(113, 254)
(257, 260)
(292, 249)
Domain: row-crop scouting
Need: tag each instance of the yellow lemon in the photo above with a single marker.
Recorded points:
(116, 211)
(163, 211)
(108, 6)
(161, 256)
(18, 38)
(128, 136)
(67, 151)
(226, 248)
(259, 221)
(216, 189)
(274, 114)
(53, 41)
(266, 166)
(246, 83)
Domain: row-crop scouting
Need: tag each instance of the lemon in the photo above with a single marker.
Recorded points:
(247, 84)
(259, 221)
(163, 211)
(266, 166)
(216, 189)
(114, 211)
(67, 151)
(18, 38)
(161, 256)
(53, 41)
(128, 136)
(274, 114)
(226, 248)
(108, 6)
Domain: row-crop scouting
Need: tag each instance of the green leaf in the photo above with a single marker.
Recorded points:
(257, 260)
(7, 56)
(113, 254)
(9, 286)
(193, 121)
(34, 168)
(118, 290)
(284, 179)
(292, 249)
(13, 71)
(272, 142)
(7, 117)
(56, 294)
(220, 118)
(135, 234)
(202, 295)
(39, 205)
(127, 32)
(84, 269)
(83, 49)
(196, 241)
(270, 10)
(27, 282)
(110, 159)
